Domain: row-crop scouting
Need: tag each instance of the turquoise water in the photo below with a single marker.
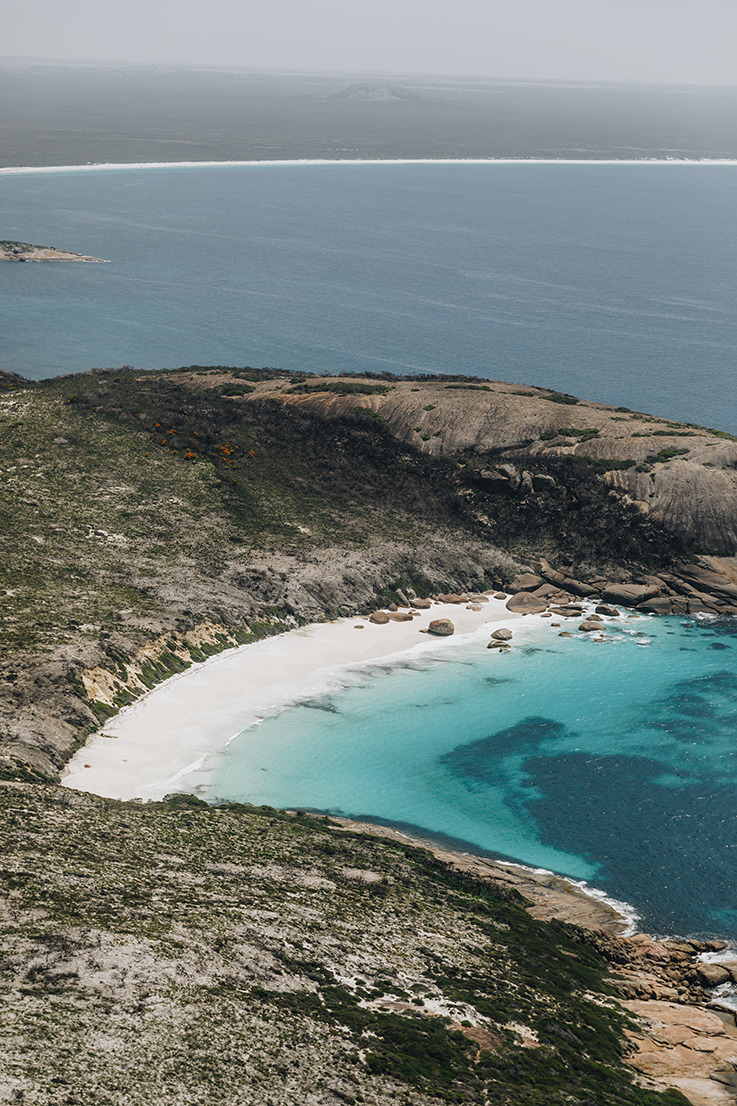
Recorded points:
(612, 282)
(613, 762)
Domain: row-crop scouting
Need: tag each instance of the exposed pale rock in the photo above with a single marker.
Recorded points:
(708, 579)
(700, 1044)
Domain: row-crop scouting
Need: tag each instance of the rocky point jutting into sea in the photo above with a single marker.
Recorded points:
(157, 519)
(24, 251)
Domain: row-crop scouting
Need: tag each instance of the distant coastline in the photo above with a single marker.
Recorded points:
(99, 166)
(25, 251)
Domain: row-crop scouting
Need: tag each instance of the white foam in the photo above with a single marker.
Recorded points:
(626, 911)
(297, 162)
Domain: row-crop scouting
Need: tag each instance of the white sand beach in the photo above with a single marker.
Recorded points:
(167, 741)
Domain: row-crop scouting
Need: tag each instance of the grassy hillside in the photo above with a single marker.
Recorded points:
(174, 952)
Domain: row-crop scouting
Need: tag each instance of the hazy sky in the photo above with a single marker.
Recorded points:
(680, 41)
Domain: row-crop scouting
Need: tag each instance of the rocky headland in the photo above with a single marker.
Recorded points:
(24, 251)
(151, 520)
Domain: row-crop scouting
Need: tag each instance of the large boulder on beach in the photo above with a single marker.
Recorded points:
(526, 603)
(502, 635)
(401, 617)
(421, 604)
(442, 627)
(629, 595)
(379, 617)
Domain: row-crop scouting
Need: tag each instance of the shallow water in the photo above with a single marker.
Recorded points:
(612, 282)
(612, 762)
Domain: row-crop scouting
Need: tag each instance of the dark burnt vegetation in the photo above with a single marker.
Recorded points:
(578, 511)
(269, 458)
(348, 473)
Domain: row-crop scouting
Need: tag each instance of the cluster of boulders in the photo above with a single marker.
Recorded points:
(507, 478)
(441, 627)
(707, 586)
(669, 970)
(678, 1042)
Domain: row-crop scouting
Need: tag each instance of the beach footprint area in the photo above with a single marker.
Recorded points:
(609, 761)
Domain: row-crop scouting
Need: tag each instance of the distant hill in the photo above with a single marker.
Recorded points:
(377, 93)
(69, 114)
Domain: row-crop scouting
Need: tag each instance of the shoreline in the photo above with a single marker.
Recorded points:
(240, 687)
(551, 896)
(237, 689)
(112, 166)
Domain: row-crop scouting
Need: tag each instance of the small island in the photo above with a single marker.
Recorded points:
(24, 251)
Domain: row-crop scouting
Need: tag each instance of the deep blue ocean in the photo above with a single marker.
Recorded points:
(610, 282)
(614, 763)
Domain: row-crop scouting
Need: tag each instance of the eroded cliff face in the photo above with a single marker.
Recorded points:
(682, 476)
